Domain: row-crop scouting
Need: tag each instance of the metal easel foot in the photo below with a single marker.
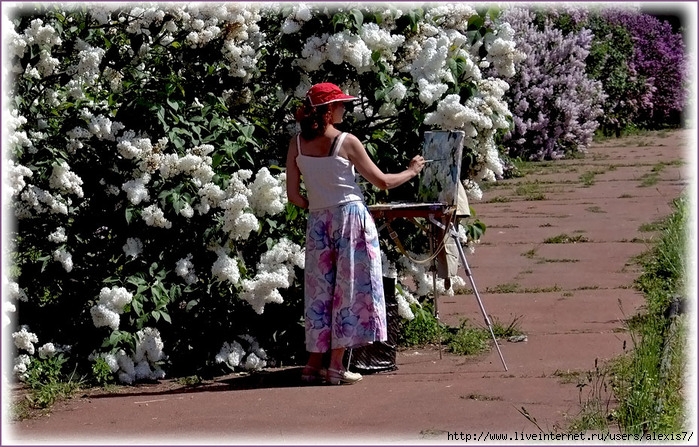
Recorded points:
(462, 255)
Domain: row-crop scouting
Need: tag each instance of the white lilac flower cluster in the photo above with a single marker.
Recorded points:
(16, 137)
(100, 127)
(233, 355)
(62, 181)
(39, 201)
(14, 293)
(300, 14)
(204, 23)
(86, 72)
(238, 222)
(144, 364)
(275, 270)
(133, 247)
(24, 339)
(419, 275)
(240, 201)
(502, 51)
(185, 269)
(210, 196)
(110, 305)
(195, 164)
(404, 300)
(65, 181)
(15, 177)
(44, 36)
(267, 193)
(65, 258)
(361, 50)
(225, 268)
(58, 236)
(153, 216)
(47, 350)
(21, 365)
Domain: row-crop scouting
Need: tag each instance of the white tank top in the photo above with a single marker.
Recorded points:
(330, 181)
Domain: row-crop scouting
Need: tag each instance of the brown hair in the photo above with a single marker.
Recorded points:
(313, 120)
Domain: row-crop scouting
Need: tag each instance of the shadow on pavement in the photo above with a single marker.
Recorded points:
(283, 378)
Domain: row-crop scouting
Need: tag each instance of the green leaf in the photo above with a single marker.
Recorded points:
(358, 17)
(173, 104)
(475, 22)
(137, 307)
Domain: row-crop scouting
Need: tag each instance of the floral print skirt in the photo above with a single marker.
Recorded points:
(344, 298)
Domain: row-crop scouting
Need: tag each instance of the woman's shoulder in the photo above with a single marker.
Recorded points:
(350, 137)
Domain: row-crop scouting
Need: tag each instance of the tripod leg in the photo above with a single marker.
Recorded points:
(435, 296)
(462, 255)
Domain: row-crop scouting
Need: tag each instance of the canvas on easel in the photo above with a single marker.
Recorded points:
(440, 178)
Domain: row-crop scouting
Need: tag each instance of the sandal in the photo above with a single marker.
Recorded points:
(311, 374)
(335, 377)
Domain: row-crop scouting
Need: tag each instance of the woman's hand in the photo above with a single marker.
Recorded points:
(416, 164)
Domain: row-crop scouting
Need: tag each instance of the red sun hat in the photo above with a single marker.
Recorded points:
(325, 93)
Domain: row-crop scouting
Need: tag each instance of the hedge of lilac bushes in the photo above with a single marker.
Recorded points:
(148, 230)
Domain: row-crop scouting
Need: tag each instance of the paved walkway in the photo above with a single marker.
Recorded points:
(571, 299)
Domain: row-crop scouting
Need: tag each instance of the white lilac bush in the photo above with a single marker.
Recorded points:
(143, 147)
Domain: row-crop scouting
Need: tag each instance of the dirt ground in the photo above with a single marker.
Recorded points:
(570, 299)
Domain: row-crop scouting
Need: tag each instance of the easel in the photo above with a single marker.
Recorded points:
(440, 215)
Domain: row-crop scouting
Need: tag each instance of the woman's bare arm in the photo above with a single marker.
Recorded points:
(293, 177)
(357, 154)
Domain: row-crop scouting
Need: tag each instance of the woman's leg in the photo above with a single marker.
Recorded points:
(315, 361)
(336, 359)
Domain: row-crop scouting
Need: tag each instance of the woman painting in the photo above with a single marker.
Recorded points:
(344, 299)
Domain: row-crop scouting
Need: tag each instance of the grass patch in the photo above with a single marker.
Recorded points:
(469, 340)
(194, 380)
(481, 397)
(553, 288)
(530, 191)
(588, 178)
(563, 260)
(508, 330)
(503, 288)
(595, 209)
(649, 180)
(568, 376)
(565, 239)
(422, 330)
(530, 254)
(594, 398)
(45, 385)
(500, 199)
(466, 339)
(651, 227)
(516, 288)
